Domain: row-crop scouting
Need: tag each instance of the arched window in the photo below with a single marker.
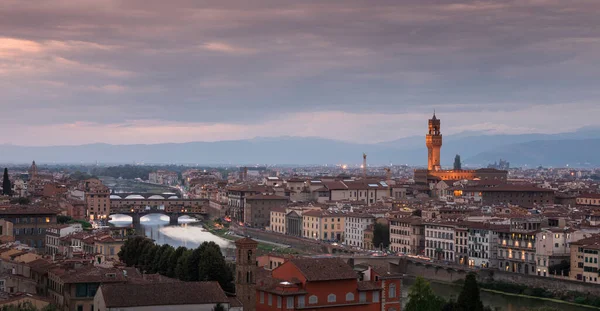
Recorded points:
(349, 297)
(331, 298)
(392, 291)
(313, 299)
(250, 256)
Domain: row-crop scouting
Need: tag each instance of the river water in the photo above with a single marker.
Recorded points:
(189, 233)
(503, 302)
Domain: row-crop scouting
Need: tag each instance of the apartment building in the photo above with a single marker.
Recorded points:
(584, 260)
(324, 225)
(257, 210)
(407, 235)
(517, 245)
(356, 224)
(439, 241)
(278, 219)
(483, 244)
(97, 199)
(461, 245)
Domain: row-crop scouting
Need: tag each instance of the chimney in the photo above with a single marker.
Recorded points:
(364, 165)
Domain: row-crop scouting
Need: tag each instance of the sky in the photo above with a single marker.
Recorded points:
(151, 71)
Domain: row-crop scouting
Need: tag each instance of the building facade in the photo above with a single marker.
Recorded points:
(407, 235)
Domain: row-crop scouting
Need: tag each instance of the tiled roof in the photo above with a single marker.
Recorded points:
(324, 269)
(92, 274)
(367, 286)
(161, 294)
(266, 197)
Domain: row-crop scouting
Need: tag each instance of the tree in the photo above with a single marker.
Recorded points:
(6, 186)
(174, 259)
(62, 219)
(469, 296)
(422, 298)
(212, 267)
(457, 163)
(163, 264)
(381, 235)
(181, 270)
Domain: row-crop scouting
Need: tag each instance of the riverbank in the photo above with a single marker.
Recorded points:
(222, 230)
(502, 299)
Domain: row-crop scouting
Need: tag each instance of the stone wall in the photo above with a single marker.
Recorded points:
(453, 273)
(555, 285)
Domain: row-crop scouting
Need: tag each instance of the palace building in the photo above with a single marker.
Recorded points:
(434, 172)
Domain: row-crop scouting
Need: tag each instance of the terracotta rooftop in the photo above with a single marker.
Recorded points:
(324, 269)
(162, 294)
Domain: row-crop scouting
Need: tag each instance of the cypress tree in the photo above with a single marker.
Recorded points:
(6, 186)
(469, 296)
(457, 163)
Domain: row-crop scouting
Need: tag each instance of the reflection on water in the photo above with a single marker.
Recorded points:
(188, 233)
(499, 301)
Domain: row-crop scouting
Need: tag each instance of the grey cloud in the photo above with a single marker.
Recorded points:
(272, 57)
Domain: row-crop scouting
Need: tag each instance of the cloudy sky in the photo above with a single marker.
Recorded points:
(148, 71)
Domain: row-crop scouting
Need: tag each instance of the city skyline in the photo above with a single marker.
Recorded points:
(152, 72)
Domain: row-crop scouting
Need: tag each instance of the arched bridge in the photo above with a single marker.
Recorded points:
(173, 216)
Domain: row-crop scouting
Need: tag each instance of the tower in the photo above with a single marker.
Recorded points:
(33, 171)
(364, 166)
(433, 140)
(245, 274)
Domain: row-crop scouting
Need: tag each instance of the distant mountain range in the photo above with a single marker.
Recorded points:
(579, 148)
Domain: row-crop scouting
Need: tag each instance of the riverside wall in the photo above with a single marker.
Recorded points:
(451, 274)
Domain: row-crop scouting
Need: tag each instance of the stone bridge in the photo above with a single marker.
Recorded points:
(173, 216)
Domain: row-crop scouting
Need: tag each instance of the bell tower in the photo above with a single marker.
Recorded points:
(245, 276)
(433, 140)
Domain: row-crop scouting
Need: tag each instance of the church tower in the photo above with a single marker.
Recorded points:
(33, 171)
(245, 276)
(433, 140)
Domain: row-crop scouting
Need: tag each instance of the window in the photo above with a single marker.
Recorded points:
(331, 298)
(79, 308)
(300, 301)
(262, 297)
(313, 299)
(392, 291)
(290, 303)
(375, 296)
(363, 297)
(349, 297)
(279, 302)
(270, 299)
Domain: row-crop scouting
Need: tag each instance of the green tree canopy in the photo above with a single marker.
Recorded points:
(381, 235)
(422, 298)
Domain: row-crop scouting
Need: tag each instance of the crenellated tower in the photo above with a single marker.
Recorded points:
(433, 140)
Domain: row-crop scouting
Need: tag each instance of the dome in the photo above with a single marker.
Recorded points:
(156, 197)
(173, 197)
(115, 197)
(135, 197)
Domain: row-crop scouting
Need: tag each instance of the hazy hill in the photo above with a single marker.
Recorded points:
(476, 150)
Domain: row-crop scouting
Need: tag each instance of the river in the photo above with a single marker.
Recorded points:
(189, 233)
(503, 302)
